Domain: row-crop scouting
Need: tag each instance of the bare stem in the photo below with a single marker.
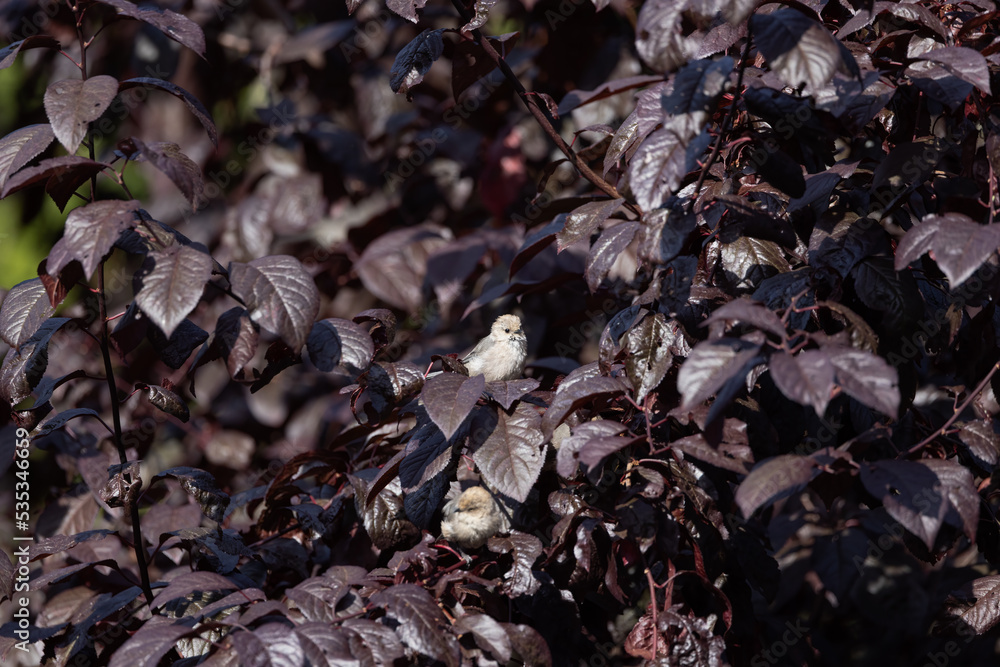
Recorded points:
(105, 341)
(725, 125)
(540, 115)
(958, 411)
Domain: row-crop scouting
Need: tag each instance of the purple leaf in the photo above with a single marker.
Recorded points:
(335, 342)
(735, 457)
(415, 59)
(24, 367)
(90, 234)
(406, 8)
(176, 26)
(772, 480)
(574, 393)
(749, 312)
(710, 366)
(664, 159)
(959, 490)
(650, 348)
(917, 14)
(507, 392)
(61, 419)
(584, 221)
(910, 493)
(172, 281)
(394, 265)
(175, 349)
(21, 146)
(488, 634)
(389, 384)
(450, 397)
(982, 615)
(64, 175)
(606, 249)
(9, 52)
(236, 339)
(806, 377)
(377, 644)
(982, 442)
(281, 297)
(960, 245)
(178, 167)
(965, 63)
(697, 88)
(537, 241)
(663, 234)
(624, 141)
(201, 486)
(568, 455)
(866, 377)
(25, 308)
(72, 104)
(192, 102)
(511, 457)
(658, 38)
(421, 623)
(798, 48)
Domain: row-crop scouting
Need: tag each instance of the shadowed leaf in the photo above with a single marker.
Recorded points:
(772, 480)
(450, 397)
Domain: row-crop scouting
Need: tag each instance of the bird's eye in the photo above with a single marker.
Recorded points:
(506, 330)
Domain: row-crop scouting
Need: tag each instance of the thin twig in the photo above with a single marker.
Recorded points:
(540, 115)
(725, 126)
(958, 411)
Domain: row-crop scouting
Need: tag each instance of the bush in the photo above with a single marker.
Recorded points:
(753, 249)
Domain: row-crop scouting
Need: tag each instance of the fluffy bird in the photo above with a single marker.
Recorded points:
(471, 518)
(500, 355)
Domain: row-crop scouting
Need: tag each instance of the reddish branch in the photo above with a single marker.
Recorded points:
(540, 115)
(958, 411)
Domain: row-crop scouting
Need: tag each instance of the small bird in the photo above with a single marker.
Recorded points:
(471, 518)
(500, 355)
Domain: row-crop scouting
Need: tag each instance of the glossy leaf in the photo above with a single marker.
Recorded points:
(24, 310)
(172, 281)
(72, 104)
(179, 168)
(801, 50)
(585, 220)
(176, 26)
(806, 377)
(21, 146)
(90, 233)
(511, 457)
(710, 366)
(280, 296)
(606, 249)
(960, 245)
(335, 342)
